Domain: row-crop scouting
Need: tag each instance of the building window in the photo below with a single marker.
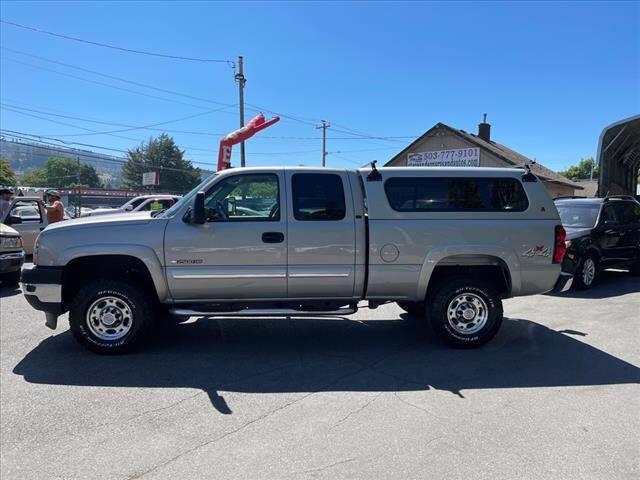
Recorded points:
(318, 196)
(430, 194)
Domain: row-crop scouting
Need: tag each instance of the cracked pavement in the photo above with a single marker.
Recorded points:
(555, 395)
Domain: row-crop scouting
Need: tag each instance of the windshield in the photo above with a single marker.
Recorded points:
(178, 205)
(578, 216)
(134, 201)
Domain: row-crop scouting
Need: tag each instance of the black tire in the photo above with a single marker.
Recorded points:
(580, 278)
(10, 279)
(481, 299)
(134, 314)
(415, 309)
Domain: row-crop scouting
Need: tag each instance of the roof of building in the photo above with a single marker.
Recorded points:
(501, 151)
(590, 187)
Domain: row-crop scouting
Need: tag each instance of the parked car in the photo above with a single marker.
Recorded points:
(28, 216)
(143, 203)
(446, 243)
(11, 255)
(601, 233)
(71, 211)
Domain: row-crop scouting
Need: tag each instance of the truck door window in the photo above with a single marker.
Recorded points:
(318, 196)
(244, 198)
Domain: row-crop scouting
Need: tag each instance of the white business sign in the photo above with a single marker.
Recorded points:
(459, 157)
(149, 178)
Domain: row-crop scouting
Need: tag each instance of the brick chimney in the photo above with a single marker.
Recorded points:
(484, 129)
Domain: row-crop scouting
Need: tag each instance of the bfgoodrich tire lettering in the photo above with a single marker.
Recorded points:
(465, 313)
(139, 315)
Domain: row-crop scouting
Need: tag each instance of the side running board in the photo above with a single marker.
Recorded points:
(265, 312)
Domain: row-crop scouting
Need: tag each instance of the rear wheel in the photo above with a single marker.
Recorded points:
(587, 273)
(110, 316)
(465, 312)
(413, 308)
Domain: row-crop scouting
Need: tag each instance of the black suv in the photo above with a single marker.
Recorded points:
(601, 233)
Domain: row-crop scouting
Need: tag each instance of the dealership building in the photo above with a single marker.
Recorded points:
(443, 145)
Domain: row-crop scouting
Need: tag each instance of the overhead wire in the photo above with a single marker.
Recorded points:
(130, 127)
(115, 47)
(114, 77)
(84, 153)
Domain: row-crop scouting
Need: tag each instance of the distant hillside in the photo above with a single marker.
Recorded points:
(26, 156)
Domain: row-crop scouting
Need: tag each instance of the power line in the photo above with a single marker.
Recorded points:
(64, 74)
(255, 108)
(39, 137)
(138, 140)
(345, 158)
(120, 79)
(351, 132)
(130, 127)
(200, 132)
(85, 153)
(123, 49)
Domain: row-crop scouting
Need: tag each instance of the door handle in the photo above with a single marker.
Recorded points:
(273, 237)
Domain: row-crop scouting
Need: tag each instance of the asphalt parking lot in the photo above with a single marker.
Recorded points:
(555, 395)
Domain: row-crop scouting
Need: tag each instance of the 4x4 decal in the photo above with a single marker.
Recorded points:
(537, 250)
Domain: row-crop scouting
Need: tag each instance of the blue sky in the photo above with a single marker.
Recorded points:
(550, 75)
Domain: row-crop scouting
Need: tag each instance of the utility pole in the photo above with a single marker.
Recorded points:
(241, 81)
(324, 127)
(78, 188)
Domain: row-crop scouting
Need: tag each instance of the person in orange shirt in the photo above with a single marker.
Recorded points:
(55, 211)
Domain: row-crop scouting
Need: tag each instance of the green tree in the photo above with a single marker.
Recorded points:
(61, 172)
(35, 178)
(7, 176)
(582, 171)
(162, 154)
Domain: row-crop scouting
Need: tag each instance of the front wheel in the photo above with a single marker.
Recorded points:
(466, 313)
(110, 316)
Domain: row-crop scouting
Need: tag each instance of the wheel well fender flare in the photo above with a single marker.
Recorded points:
(146, 255)
(506, 257)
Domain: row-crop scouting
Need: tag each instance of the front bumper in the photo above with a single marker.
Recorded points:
(42, 288)
(11, 262)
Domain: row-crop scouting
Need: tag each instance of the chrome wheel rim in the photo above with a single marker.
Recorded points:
(109, 318)
(467, 313)
(588, 271)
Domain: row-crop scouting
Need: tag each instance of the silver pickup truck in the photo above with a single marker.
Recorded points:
(446, 244)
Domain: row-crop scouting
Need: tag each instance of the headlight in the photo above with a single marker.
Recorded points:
(10, 242)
